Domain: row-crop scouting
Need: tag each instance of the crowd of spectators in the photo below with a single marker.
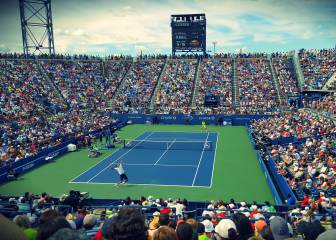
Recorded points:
(176, 89)
(317, 66)
(157, 219)
(27, 138)
(255, 84)
(33, 118)
(78, 81)
(118, 57)
(224, 55)
(308, 163)
(152, 56)
(32, 115)
(326, 104)
(216, 79)
(25, 104)
(114, 72)
(284, 71)
(49, 56)
(299, 124)
(135, 92)
(309, 168)
(253, 110)
(250, 55)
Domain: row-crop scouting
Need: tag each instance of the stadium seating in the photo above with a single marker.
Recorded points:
(317, 66)
(26, 104)
(114, 72)
(44, 217)
(327, 104)
(300, 124)
(34, 117)
(216, 79)
(255, 84)
(307, 162)
(175, 92)
(137, 88)
(79, 82)
(128, 87)
(308, 167)
(285, 75)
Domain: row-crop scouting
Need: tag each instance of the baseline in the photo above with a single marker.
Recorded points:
(141, 184)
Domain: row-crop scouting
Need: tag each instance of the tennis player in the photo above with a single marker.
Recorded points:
(119, 168)
(204, 127)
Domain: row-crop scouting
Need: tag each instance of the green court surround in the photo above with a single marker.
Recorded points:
(237, 172)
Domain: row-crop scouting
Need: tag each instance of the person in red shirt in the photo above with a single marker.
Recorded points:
(43, 198)
(305, 201)
(320, 199)
(33, 148)
(166, 210)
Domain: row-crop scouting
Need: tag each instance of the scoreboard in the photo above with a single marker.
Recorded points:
(188, 33)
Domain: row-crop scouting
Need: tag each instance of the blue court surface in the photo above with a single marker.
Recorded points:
(160, 158)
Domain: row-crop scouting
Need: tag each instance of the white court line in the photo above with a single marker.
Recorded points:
(214, 162)
(163, 165)
(177, 139)
(175, 165)
(165, 151)
(138, 164)
(141, 184)
(101, 161)
(200, 160)
(181, 132)
(119, 158)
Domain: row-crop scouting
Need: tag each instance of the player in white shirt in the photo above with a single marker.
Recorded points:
(119, 168)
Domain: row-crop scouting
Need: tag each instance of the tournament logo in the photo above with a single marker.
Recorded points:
(168, 117)
(28, 166)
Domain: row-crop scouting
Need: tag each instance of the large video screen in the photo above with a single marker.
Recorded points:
(188, 33)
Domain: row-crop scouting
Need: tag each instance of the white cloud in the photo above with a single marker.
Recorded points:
(126, 25)
(270, 38)
(307, 35)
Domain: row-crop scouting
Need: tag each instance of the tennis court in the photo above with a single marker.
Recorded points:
(236, 172)
(160, 158)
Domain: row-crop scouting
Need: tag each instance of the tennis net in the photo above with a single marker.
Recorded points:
(168, 145)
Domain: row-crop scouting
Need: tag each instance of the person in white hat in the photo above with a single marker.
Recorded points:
(209, 229)
(226, 230)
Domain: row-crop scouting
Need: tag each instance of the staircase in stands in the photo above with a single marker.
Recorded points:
(156, 89)
(196, 82)
(51, 82)
(109, 101)
(331, 80)
(298, 70)
(275, 78)
(235, 92)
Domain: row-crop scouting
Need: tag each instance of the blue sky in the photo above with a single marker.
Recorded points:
(104, 27)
